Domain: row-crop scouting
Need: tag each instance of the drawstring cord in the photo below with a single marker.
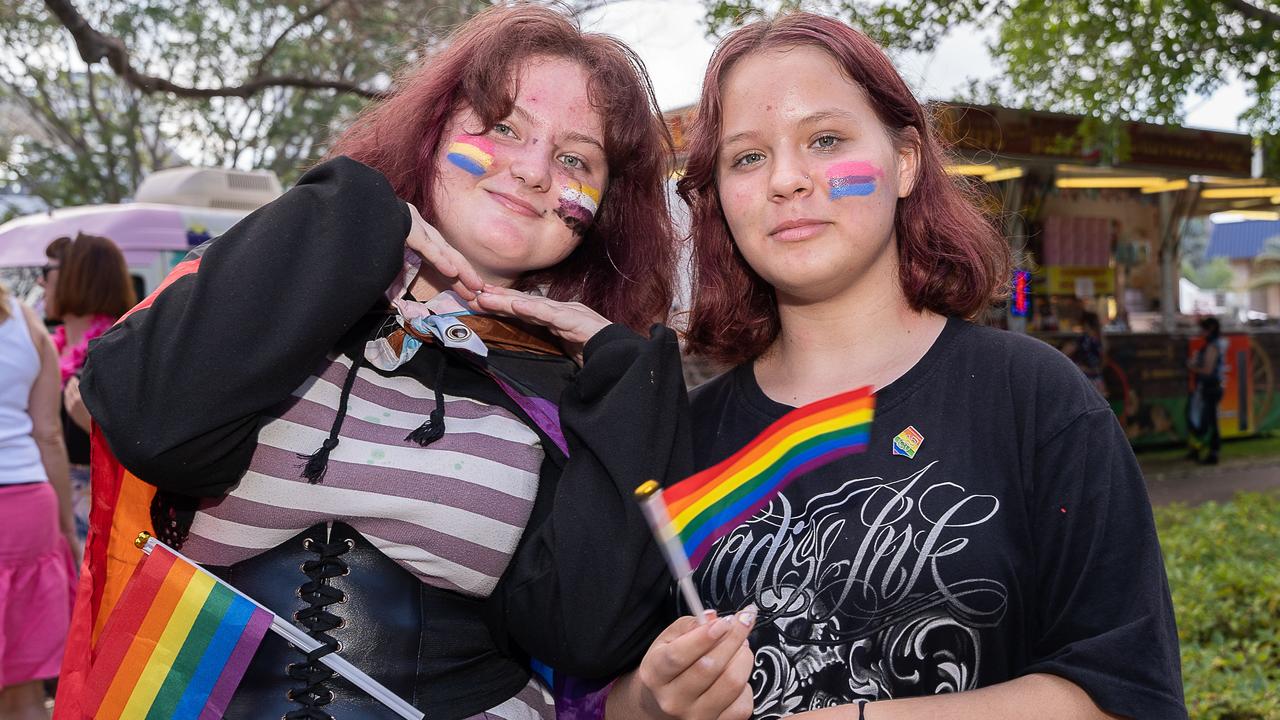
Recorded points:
(318, 462)
(433, 429)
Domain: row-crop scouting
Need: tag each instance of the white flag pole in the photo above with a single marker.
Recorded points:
(649, 495)
(300, 639)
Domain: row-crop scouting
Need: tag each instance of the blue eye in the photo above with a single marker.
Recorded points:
(750, 158)
(826, 142)
(503, 129)
(573, 162)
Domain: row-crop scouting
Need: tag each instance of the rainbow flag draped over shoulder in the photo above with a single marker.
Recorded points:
(176, 646)
(711, 503)
(119, 510)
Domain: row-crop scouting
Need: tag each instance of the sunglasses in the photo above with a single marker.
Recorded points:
(46, 271)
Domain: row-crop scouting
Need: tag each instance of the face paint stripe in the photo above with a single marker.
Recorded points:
(852, 190)
(472, 153)
(578, 205)
(582, 196)
(852, 179)
(589, 191)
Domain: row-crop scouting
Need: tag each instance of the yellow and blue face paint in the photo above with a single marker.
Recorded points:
(473, 153)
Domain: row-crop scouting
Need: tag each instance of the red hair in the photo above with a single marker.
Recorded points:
(624, 266)
(952, 261)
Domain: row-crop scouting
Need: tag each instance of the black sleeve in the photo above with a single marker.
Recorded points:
(587, 593)
(178, 387)
(1103, 617)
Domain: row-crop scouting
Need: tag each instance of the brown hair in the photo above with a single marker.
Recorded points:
(93, 279)
(951, 258)
(57, 250)
(625, 266)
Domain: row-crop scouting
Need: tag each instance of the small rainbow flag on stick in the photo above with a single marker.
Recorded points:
(179, 640)
(691, 515)
(176, 647)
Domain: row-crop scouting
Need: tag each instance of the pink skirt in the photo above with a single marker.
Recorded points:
(37, 584)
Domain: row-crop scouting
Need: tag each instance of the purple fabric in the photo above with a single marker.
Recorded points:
(580, 699)
(542, 411)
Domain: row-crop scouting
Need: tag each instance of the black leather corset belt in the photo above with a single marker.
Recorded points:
(429, 646)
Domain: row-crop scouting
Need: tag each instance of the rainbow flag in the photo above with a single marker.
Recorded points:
(175, 646)
(713, 502)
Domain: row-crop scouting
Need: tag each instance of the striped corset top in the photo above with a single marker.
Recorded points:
(451, 513)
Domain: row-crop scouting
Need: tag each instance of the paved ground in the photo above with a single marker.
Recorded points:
(1183, 481)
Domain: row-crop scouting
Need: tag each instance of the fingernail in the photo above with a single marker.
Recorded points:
(747, 615)
(720, 627)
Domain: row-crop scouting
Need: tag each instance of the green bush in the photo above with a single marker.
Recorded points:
(1223, 562)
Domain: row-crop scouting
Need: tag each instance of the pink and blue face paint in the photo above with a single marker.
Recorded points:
(473, 153)
(852, 179)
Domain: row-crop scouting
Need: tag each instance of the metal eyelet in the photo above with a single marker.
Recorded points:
(351, 544)
(306, 544)
(457, 333)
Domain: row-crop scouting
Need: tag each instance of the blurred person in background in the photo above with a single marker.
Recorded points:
(87, 290)
(1087, 350)
(1202, 408)
(48, 280)
(37, 535)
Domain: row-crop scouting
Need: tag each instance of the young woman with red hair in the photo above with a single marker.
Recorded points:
(992, 554)
(333, 428)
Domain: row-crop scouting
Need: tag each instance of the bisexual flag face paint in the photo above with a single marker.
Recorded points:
(578, 205)
(852, 179)
(473, 153)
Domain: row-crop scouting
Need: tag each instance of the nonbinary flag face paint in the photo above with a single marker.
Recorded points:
(579, 203)
(852, 179)
(473, 153)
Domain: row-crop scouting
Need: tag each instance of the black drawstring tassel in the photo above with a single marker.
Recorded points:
(318, 461)
(433, 429)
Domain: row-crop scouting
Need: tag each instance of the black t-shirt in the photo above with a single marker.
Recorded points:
(998, 525)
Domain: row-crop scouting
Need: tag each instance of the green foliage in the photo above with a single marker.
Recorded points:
(73, 134)
(1107, 59)
(1214, 275)
(1222, 566)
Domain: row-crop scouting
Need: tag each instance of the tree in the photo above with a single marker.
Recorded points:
(1213, 275)
(90, 134)
(1108, 59)
(1266, 266)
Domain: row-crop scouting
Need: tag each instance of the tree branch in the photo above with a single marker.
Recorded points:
(96, 47)
(302, 20)
(1253, 12)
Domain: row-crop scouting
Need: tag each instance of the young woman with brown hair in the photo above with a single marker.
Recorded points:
(992, 554)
